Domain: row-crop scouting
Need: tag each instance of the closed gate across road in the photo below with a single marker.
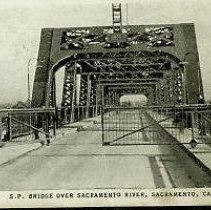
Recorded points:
(156, 125)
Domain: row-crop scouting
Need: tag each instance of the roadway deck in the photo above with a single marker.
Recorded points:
(77, 160)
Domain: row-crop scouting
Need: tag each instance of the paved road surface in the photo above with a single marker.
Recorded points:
(78, 160)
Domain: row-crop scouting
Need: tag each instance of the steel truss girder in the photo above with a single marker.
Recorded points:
(126, 83)
(120, 76)
(128, 55)
(69, 82)
(113, 93)
(146, 90)
(123, 67)
(121, 87)
(133, 67)
(171, 90)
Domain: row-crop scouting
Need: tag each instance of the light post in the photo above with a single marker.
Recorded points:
(28, 80)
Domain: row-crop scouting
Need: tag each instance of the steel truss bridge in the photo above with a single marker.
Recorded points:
(104, 63)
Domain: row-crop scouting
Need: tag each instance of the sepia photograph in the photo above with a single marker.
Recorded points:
(105, 103)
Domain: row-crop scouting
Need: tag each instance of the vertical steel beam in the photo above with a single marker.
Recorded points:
(1, 129)
(156, 93)
(53, 91)
(88, 95)
(47, 127)
(78, 88)
(9, 127)
(115, 97)
(97, 99)
(54, 122)
(65, 115)
(184, 85)
(109, 98)
(193, 124)
(68, 92)
(72, 115)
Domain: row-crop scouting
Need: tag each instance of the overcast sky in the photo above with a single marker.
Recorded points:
(22, 20)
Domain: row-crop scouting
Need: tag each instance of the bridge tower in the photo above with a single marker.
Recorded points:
(159, 61)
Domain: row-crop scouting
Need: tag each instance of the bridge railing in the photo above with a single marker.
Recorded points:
(26, 125)
(189, 124)
(69, 115)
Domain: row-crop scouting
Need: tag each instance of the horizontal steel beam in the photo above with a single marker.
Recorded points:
(196, 107)
(122, 84)
(132, 87)
(105, 72)
(28, 110)
(136, 55)
(130, 64)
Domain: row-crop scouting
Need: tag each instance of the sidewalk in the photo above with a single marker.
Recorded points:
(200, 152)
(13, 150)
(9, 152)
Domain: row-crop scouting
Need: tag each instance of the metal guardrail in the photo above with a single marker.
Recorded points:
(26, 125)
(189, 124)
(68, 115)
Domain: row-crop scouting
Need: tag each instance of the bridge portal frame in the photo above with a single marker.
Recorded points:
(92, 56)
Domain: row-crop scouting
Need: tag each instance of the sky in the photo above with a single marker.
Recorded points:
(21, 22)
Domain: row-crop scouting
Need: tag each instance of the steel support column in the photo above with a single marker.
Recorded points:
(97, 99)
(88, 95)
(72, 115)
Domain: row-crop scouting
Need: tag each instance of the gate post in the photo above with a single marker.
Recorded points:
(47, 127)
(1, 129)
(9, 127)
(54, 118)
(97, 100)
(65, 115)
(192, 124)
(102, 124)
